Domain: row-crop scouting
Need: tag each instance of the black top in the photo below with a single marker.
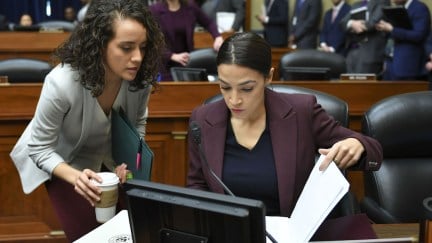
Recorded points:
(252, 173)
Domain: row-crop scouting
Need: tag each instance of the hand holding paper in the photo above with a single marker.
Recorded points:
(322, 191)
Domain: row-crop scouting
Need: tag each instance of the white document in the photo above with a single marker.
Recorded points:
(116, 229)
(224, 21)
(322, 191)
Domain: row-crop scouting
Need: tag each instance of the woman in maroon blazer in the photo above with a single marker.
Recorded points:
(262, 144)
(177, 20)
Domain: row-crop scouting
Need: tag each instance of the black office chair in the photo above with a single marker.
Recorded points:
(338, 109)
(189, 74)
(204, 58)
(311, 64)
(403, 125)
(24, 70)
(56, 25)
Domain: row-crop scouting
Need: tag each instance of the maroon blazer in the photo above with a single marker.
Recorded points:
(298, 128)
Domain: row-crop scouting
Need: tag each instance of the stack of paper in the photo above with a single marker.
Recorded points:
(224, 21)
(322, 191)
(360, 13)
(116, 229)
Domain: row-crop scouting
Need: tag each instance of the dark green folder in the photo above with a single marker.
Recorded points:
(127, 144)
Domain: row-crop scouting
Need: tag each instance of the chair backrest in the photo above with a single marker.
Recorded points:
(204, 58)
(24, 70)
(311, 58)
(334, 106)
(57, 25)
(188, 74)
(403, 125)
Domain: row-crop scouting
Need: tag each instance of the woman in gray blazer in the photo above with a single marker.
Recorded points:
(109, 62)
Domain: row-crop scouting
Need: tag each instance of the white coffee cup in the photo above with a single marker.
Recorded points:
(105, 209)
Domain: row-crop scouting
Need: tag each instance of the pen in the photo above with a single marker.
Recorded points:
(138, 157)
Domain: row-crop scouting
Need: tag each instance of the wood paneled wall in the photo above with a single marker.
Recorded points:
(31, 216)
(41, 45)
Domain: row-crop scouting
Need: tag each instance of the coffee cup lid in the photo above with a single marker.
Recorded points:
(108, 179)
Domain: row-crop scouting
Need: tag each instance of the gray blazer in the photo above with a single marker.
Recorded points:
(61, 125)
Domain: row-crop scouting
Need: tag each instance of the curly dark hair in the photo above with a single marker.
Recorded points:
(84, 49)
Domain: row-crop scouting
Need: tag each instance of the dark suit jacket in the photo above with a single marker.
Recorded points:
(409, 54)
(428, 52)
(306, 29)
(298, 127)
(332, 33)
(3, 22)
(371, 43)
(276, 30)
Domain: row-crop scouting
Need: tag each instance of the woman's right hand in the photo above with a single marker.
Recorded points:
(85, 187)
(81, 181)
(182, 58)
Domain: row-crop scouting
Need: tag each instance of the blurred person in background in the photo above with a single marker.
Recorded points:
(274, 18)
(365, 44)
(82, 12)
(26, 20)
(177, 19)
(406, 60)
(305, 24)
(3, 23)
(70, 14)
(333, 36)
(212, 7)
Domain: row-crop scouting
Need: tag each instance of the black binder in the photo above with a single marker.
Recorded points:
(397, 16)
(128, 147)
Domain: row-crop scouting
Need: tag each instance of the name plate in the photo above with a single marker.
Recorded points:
(4, 80)
(358, 77)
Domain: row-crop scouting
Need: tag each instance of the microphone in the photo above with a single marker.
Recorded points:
(196, 136)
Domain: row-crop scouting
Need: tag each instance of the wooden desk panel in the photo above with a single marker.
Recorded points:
(169, 110)
(38, 45)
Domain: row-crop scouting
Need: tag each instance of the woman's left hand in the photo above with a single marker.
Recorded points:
(122, 172)
(344, 153)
